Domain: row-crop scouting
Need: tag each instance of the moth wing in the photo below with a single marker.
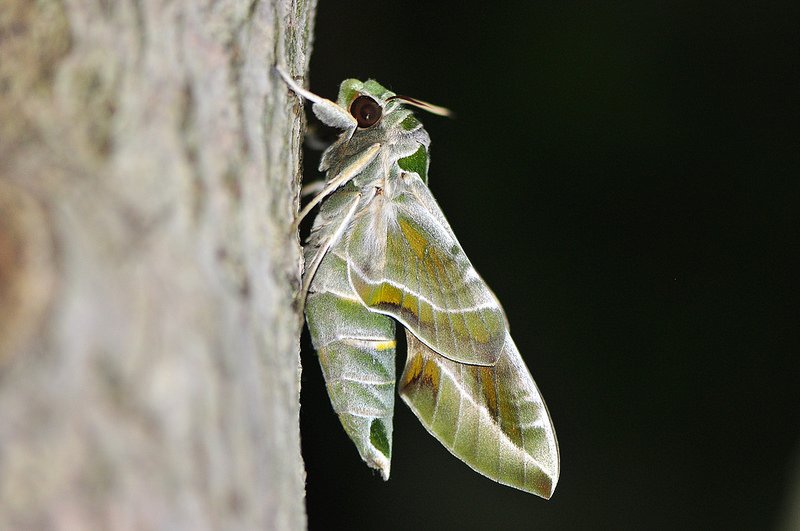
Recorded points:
(491, 417)
(404, 261)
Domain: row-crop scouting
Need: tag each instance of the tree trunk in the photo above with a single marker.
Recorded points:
(149, 367)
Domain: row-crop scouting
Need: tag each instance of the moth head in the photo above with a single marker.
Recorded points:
(366, 101)
(369, 102)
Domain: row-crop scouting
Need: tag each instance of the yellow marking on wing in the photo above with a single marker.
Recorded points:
(414, 370)
(425, 312)
(430, 375)
(436, 259)
(433, 265)
(486, 375)
(508, 416)
(383, 293)
(423, 372)
(394, 296)
(476, 327)
(389, 294)
(385, 345)
(411, 303)
(415, 239)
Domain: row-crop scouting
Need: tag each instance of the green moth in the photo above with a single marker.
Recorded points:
(381, 251)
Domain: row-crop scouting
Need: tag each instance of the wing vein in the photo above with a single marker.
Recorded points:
(438, 398)
(498, 421)
(460, 406)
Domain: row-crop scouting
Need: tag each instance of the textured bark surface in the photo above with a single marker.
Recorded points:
(149, 368)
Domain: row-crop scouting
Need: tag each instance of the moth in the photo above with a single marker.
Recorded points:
(381, 252)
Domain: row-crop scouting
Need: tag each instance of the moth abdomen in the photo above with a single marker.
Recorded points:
(360, 377)
(356, 349)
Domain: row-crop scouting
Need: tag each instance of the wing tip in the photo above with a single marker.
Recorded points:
(381, 463)
(548, 492)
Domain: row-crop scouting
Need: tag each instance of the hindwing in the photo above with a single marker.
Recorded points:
(492, 418)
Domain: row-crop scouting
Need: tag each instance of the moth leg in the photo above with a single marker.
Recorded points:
(313, 265)
(311, 188)
(348, 173)
(326, 110)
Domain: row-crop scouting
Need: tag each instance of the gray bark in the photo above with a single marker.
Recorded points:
(149, 357)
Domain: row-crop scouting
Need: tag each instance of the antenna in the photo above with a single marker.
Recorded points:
(430, 107)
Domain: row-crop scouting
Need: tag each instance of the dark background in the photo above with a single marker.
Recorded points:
(625, 177)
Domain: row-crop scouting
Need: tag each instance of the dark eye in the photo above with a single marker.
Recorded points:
(366, 111)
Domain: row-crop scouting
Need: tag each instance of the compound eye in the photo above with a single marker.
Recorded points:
(366, 111)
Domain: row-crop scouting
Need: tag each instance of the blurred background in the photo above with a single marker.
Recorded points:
(625, 177)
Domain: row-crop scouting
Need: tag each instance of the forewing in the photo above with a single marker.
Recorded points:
(492, 418)
(404, 261)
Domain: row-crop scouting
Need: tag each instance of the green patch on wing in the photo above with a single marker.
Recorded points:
(417, 163)
(378, 437)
